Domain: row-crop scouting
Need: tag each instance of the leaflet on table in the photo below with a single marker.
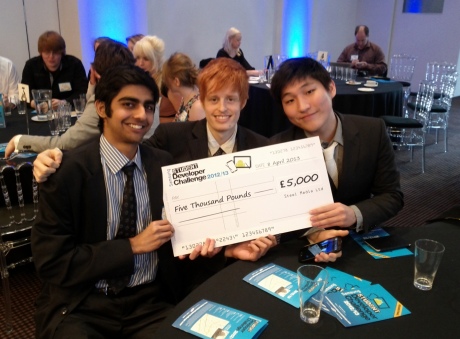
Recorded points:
(377, 233)
(365, 305)
(207, 319)
(282, 283)
(2, 148)
(245, 195)
(2, 113)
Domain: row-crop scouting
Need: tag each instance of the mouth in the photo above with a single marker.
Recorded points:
(136, 127)
(222, 118)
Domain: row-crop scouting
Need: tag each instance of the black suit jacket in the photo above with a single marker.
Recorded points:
(187, 141)
(69, 238)
(369, 178)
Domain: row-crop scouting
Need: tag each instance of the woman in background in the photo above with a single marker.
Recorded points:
(131, 40)
(149, 55)
(231, 49)
(179, 75)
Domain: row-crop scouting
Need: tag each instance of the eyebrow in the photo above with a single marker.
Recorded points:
(136, 100)
(305, 84)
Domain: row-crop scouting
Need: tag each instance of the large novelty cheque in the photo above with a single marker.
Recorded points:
(245, 195)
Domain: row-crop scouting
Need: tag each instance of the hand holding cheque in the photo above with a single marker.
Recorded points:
(241, 196)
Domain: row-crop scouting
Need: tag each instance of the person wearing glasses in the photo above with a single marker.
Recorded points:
(55, 70)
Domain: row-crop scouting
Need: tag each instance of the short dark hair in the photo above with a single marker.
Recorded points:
(115, 79)
(51, 41)
(298, 69)
(111, 53)
(366, 29)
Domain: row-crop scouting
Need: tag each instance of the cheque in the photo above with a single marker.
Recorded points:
(245, 195)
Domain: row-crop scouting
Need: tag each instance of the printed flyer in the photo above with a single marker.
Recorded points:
(207, 319)
(365, 305)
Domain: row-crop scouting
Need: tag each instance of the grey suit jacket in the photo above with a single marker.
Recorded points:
(369, 178)
(69, 238)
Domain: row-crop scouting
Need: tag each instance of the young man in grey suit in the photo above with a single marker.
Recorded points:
(366, 190)
(99, 282)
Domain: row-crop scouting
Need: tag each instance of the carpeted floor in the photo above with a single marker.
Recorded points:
(426, 196)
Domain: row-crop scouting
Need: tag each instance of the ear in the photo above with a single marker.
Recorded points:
(243, 103)
(176, 82)
(332, 89)
(100, 109)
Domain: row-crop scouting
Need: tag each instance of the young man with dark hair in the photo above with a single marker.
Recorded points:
(365, 185)
(105, 271)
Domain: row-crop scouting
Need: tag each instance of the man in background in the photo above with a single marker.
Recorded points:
(9, 78)
(364, 55)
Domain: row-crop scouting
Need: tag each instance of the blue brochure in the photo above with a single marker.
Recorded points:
(377, 233)
(362, 306)
(2, 148)
(2, 114)
(277, 281)
(282, 283)
(207, 319)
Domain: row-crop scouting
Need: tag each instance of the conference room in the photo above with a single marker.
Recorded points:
(288, 28)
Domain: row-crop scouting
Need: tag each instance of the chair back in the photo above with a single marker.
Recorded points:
(402, 67)
(423, 102)
(435, 72)
(448, 83)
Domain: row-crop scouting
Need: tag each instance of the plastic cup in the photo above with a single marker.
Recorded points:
(427, 257)
(312, 281)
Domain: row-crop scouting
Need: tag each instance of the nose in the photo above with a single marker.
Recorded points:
(303, 105)
(222, 105)
(140, 113)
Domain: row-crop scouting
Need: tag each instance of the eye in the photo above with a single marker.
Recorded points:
(128, 104)
(149, 108)
(288, 101)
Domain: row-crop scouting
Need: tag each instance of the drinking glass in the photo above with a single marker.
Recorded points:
(42, 98)
(312, 281)
(79, 105)
(427, 257)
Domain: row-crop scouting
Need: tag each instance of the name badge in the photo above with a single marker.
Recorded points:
(354, 57)
(65, 87)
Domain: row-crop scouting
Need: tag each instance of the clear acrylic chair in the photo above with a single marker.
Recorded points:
(439, 114)
(16, 217)
(402, 69)
(410, 132)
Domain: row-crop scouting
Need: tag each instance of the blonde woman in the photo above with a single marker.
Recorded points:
(149, 55)
(179, 75)
(231, 49)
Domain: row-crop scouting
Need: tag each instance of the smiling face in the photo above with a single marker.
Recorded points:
(308, 105)
(222, 108)
(131, 117)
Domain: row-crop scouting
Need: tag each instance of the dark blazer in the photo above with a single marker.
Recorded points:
(187, 141)
(369, 178)
(69, 238)
(36, 76)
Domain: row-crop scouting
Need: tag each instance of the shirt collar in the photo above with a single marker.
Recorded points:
(227, 147)
(114, 159)
(338, 136)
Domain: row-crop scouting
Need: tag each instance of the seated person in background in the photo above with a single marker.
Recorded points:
(224, 90)
(54, 70)
(179, 75)
(91, 74)
(364, 55)
(109, 53)
(365, 186)
(9, 78)
(131, 40)
(231, 49)
(106, 275)
(149, 55)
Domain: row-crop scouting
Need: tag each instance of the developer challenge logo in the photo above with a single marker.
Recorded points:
(186, 174)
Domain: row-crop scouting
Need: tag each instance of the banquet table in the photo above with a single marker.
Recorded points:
(433, 313)
(266, 117)
(16, 124)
